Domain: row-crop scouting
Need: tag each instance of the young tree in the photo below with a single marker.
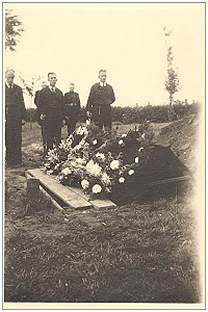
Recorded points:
(172, 82)
(13, 29)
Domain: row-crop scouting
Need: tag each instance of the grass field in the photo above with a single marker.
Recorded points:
(140, 252)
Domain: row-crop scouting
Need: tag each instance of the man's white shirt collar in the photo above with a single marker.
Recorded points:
(102, 84)
(52, 88)
(9, 86)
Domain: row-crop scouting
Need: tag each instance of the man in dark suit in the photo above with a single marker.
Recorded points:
(72, 108)
(15, 112)
(51, 107)
(99, 102)
(41, 122)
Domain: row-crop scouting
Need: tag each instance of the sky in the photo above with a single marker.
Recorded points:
(76, 40)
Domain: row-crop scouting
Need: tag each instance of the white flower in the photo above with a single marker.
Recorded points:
(85, 131)
(82, 130)
(106, 179)
(88, 122)
(79, 146)
(143, 135)
(66, 171)
(82, 142)
(141, 149)
(120, 142)
(131, 171)
(60, 177)
(89, 164)
(94, 142)
(136, 160)
(124, 135)
(65, 145)
(108, 189)
(96, 189)
(93, 168)
(100, 155)
(121, 180)
(79, 130)
(69, 137)
(80, 161)
(85, 184)
(73, 163)
(114, 164)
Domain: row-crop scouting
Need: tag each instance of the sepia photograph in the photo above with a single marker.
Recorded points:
(103, 155)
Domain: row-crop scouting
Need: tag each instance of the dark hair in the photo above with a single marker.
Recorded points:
(51, 73)
(102, 70)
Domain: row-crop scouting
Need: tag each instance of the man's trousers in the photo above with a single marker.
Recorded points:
(13, 142)
(53, 133)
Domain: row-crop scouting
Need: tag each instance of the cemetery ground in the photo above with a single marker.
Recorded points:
(144, 251)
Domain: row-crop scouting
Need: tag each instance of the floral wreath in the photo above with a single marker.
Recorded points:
(100, 162)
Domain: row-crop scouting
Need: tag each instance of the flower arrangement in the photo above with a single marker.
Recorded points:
(98, 162)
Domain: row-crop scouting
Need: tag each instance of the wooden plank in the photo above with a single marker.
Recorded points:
(69, 197)
(103, 203)
(97, 203)
(54, 203)
(28, 175)
(79, 192)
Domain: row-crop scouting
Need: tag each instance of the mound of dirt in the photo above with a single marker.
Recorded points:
(161, 164)
(181, 137)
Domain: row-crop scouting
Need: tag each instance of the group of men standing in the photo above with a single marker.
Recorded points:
(54, 110)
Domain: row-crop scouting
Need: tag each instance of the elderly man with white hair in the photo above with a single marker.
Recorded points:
(15, 112)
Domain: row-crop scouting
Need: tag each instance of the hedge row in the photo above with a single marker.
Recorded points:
(160, 113)
(138, 114)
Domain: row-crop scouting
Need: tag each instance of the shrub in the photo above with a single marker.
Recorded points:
(158, 113)
(139, 114)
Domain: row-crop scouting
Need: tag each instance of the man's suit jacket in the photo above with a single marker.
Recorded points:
(72, 104)
(14, 104)
(36, 99)
(52, 105)
(100, 99)
(36, 102)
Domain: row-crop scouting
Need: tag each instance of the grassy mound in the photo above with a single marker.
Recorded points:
(181, 136)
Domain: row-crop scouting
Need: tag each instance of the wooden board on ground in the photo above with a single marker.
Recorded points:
(71, 196)
(103, 203)
(97, 203)
(66, 195)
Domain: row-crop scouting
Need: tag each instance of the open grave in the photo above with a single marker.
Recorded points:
(94, 169)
